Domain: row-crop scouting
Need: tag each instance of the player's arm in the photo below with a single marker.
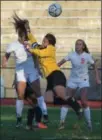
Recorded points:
(64, 60)
(96, 73)
(5, 59)
(61, 62)
(94, 65)
(34, 43)
(31, 37)
(46, 52)
(9, 50)
(33, 48)
(32, 40)
(40, 52)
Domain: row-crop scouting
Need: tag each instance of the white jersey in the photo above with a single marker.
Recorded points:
(79, 63)
(22, 56)
(25, 68)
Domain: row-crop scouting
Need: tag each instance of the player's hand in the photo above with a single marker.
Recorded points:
(27, 45)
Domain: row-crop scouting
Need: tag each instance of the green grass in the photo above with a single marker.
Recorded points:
(9, 132)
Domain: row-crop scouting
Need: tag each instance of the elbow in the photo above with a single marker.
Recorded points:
(59, 64)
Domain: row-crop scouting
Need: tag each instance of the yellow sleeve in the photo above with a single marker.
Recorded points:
(31, 38)
(41, 52)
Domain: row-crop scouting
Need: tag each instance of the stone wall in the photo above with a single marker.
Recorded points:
(79, 19)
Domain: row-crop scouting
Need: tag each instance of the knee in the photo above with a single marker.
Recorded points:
(20, 96)
(59, 101)
(84, 104)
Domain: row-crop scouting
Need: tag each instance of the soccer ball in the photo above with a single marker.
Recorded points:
(55, 10)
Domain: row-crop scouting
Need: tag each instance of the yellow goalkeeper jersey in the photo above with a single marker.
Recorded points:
(46, 56)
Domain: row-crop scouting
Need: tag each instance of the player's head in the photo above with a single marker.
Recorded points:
(20, 27)
(80, 46)
(49, 39)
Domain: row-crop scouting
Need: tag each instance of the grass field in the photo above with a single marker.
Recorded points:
(9, 132)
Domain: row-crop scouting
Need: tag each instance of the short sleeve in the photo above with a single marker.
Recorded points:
(9, 48)
(68, 57)
(34, 45)
(90, 59)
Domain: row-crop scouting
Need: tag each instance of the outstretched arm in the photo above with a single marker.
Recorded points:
(46, 52)
(61, 62)
(31, 37)
(65, 59)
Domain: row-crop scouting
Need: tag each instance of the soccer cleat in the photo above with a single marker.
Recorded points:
(19, 122)
(45, 119)
(61, 126)
(41, 125)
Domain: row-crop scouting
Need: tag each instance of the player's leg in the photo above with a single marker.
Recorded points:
(71, 89)
(70, 102)
(20, 102)
(59, 86)
(35, 84)
(38, 117)
(33, 111)
(57, 81)
(65, 109)
(30, 98)
(60, 90)
(40, 98)
(20, 89)
(30, 117)
(86, 107)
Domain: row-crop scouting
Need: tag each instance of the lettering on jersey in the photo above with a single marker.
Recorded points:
(82, 60)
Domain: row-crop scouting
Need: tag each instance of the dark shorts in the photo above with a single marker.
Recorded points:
(56, 78)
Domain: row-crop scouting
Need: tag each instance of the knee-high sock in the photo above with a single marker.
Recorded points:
(63, 113)
(42, 105)
(87, 114)
(19, 107)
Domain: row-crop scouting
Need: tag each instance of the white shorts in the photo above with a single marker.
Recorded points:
(25, 76)
(79, 84)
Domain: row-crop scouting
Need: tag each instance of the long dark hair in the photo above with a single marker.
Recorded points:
(85, 49)
(19, 25)
(51, 38)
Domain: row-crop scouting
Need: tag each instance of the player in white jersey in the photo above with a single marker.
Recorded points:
(79, 78)
(25, 69)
